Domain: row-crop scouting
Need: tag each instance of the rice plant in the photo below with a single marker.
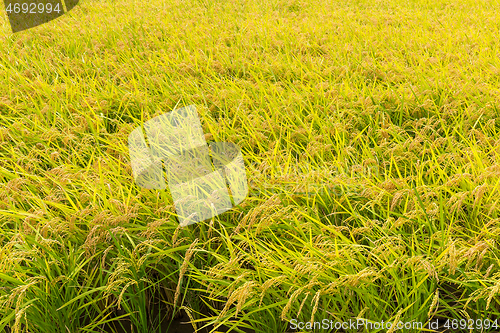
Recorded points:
(370, 135)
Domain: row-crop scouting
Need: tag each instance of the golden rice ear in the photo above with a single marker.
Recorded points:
(28, 14)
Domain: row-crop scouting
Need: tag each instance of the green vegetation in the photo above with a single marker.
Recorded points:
(400, 99)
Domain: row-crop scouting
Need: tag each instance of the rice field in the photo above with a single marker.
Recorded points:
(371, 138)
